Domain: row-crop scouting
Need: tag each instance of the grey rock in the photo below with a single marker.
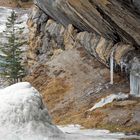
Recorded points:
(113, 19)
(98, 40)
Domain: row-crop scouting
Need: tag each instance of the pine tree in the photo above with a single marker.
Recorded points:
(10, 64)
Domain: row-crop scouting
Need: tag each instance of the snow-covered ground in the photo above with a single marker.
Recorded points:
(109, 99)
(76, 132)
(22, 16)
(24, 117)
(5, 13)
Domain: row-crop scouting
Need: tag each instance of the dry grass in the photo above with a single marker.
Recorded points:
(85, 119)
(94, 120)
(104, 2)
(26, 5)
(54, 91)
(14, 3)
(118, 128)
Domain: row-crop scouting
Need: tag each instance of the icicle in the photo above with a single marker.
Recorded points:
(111, 67)
(121, 64)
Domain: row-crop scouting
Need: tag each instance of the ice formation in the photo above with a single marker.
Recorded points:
(79, 133)
(23, 115)
(109, 99)
(111, 67)
(135, 80)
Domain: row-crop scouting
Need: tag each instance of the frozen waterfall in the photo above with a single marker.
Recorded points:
(23, 115)
(135, 80)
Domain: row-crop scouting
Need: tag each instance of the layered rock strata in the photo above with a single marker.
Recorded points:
(47, 34)
(114, 19)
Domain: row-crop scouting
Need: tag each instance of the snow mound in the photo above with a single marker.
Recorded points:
(23, 115)
(109, 99)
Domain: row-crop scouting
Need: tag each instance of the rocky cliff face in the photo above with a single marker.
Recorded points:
(62, 66)
(102, 26)
(114, 19)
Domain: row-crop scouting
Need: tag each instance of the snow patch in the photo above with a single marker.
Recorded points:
(76, 132)
(5, 13)
(109, 99)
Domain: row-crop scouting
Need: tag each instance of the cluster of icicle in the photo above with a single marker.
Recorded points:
(133, 68)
